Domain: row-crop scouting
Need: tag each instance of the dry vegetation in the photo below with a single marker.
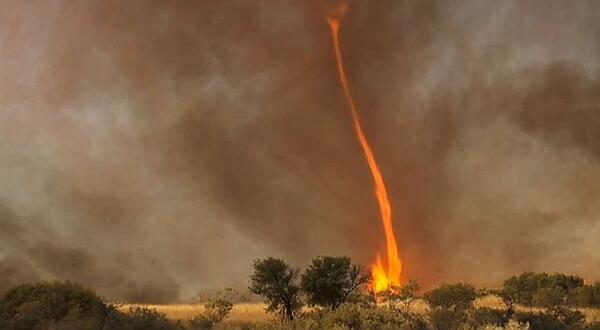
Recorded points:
(491, 301)
(254, 312)
(241, 313)
(65, 306)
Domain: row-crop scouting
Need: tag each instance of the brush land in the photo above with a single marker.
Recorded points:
(319, 299)
(254, 313)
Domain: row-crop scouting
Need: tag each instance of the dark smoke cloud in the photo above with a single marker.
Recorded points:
(154, 149)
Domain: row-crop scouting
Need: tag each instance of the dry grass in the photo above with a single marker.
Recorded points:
(241, 313)
(489, 301)
(591, 314)
(254, 312)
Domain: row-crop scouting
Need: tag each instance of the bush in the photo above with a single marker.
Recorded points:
(352, 316)
(527, 284)
(550, 297)
(586, 296)
(69, 306)
(557, 319)
(449, 304)
(510, 325)
(141, 318)
(215, 311)
(540, 321)
(509, 298)
(401, 300)
(52, 305)
(401, 297)
(571, 318)
(592, 326)
(452, 296)
(447, 318)
(487, 316)
(329, 281)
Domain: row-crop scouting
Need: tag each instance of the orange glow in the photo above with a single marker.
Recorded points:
(382, 279)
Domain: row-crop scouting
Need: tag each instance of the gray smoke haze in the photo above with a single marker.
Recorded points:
(153, 149)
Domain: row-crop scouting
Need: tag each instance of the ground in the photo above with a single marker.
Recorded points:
(254, 312)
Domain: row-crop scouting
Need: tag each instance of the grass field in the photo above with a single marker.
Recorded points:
(241, 313)
(254, 312)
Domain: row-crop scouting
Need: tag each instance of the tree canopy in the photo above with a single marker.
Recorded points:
(329, 281)
(275, 280)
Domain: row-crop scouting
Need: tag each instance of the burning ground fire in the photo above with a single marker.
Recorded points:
(382, 278)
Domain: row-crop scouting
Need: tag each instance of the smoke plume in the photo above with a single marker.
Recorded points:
(153, 149)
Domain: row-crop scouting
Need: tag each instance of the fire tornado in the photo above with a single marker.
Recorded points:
(382, 279)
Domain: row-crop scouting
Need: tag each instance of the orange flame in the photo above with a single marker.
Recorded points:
(382, 280)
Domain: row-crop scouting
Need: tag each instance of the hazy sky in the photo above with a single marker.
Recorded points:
(153, 149)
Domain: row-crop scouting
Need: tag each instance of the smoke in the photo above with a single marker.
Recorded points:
(154, 149)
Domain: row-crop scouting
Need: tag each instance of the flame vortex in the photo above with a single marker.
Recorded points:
(382, 279)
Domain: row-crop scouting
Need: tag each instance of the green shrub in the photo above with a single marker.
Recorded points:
(449, 304)
(401, 297)
(556, 319)
(540, 321)
(346, 317)
(446, 318)
(509, 298)
(510, 325)
(52, 305)
(527, 284)
(486, 316)
(352, 316)
(592, 326)
(452, 296)
(141, 318)
(69, 306)
(215, 311)
(572, 318)
(586, 296)
(550, 297)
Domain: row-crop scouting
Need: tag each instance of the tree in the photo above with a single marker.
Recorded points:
(275, 280)
(329, 281)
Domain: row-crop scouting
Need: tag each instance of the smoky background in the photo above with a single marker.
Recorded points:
(151, 150)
